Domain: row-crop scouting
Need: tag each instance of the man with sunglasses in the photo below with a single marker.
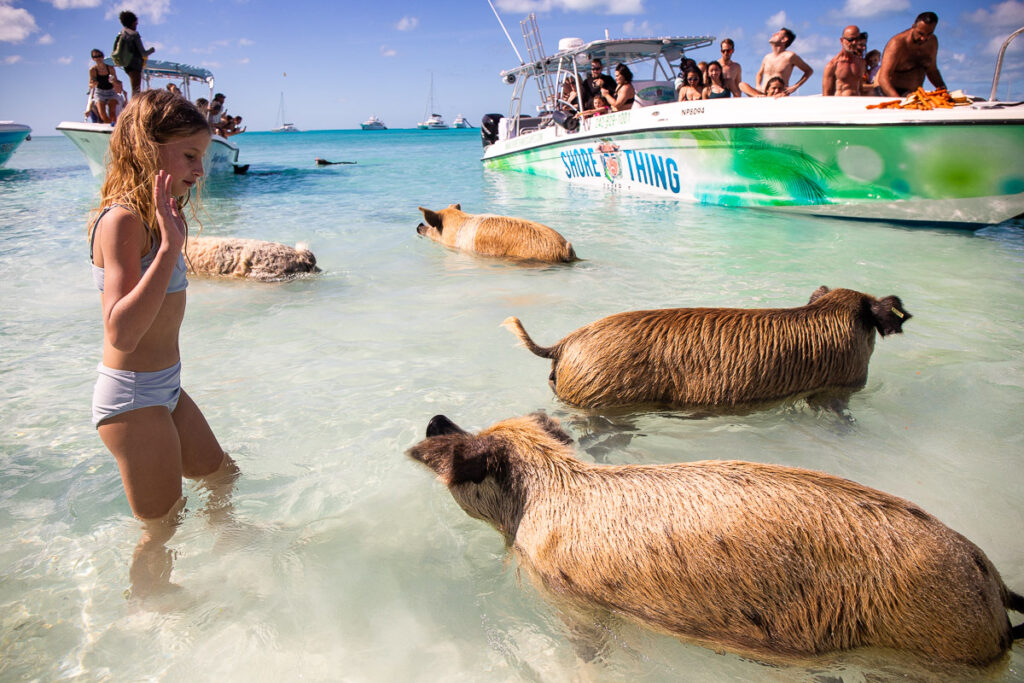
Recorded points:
(595, 81)
(909, 57)
(732, 73)
(844, 74)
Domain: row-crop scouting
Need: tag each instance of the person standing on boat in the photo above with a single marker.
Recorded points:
(596, 82)
(732, 72)
(909, 57)
(781, 61)
(844, 74)
(130, 22)
(714, 88)
(103, 83)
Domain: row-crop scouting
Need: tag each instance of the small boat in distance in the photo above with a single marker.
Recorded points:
(373, 123)
(11, 135)
(461, 122)
(94, 138)
(282, 125)
(433, 121)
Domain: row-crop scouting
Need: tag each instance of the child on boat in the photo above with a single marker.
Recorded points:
(149, 423)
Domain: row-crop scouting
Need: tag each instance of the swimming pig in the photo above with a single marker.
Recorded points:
(755, 558)
(720, 356)
(254, 259)
(492, 235)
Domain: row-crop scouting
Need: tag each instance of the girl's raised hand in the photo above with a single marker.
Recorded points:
(168, 218)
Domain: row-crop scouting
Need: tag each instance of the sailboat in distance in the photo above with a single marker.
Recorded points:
(282, 125)
(433, 121)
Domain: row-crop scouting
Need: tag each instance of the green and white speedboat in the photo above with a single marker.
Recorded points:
(92, 139)
(829, 156)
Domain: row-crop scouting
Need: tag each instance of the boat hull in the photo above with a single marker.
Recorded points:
(92, 139)
(950, 168)
(373, 126)
(11, 136)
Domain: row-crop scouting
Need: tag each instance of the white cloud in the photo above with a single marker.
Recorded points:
(863, 9)
(16, 24)
(74, 4)
(386, 51)
(776, 20)
(243, 60)
(245, 42)
(1004, 17)
(604, 6)
(147, 10)
(12, 59)
(45, 39)
(632, 28)
(407, 23)
(65, 60)
(210, 65)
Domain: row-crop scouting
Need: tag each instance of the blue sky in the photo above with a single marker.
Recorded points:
(339, 62)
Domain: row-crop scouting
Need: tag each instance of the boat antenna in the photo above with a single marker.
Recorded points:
(511, 42)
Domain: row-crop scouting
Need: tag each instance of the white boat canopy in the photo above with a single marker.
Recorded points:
(185, 73)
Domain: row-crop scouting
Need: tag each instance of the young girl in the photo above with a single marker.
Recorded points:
(152, 427)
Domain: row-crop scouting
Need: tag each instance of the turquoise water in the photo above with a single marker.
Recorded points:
(343, 559)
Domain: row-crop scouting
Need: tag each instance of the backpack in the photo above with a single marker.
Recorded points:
(122, 53)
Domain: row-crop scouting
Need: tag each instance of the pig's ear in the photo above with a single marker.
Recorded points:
(432, 218)
(472, 459)
(818, 293)
(551, 426)
(457, 207)
(888, 315)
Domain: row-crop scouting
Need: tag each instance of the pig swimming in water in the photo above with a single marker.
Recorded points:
(492, 235)
(756, 558)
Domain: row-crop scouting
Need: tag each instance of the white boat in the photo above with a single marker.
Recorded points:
(11, 135)
(433, 121)
(373, 123)
(282, 125)
(461, 122)
(830, 156)
(93, 138)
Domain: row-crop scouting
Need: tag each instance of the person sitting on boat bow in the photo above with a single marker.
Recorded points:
(714, 88)
(103, 82)
(693, 87)
(776, 87)
(625, 94)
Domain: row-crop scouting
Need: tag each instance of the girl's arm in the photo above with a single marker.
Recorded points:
(92, 76)
(131, 299)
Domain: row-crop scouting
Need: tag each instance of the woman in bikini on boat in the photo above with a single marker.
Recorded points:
(715, 89)
(149, 423)
(104, 85)
(624, 93)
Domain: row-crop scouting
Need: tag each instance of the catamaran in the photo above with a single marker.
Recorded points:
(11, 136)
(94, 138)
(830, 156)
(282, 120)
(432, 121)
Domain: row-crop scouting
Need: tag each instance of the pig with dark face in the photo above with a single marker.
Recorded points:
(491, 235)
(713, 357)
(756, 558)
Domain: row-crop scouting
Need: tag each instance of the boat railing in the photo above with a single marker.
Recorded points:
(999, 62)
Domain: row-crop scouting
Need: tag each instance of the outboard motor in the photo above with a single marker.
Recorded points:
(489, 129)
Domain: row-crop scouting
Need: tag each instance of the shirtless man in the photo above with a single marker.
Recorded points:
(781, 60)
(909, 57)
(844, 74)
(732, 73)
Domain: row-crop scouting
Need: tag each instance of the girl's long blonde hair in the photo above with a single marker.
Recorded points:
(151, 119)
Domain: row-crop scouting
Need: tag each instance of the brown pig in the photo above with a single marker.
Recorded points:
(759, 559)
(720, 356)
(253, 259)
(491, 235)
